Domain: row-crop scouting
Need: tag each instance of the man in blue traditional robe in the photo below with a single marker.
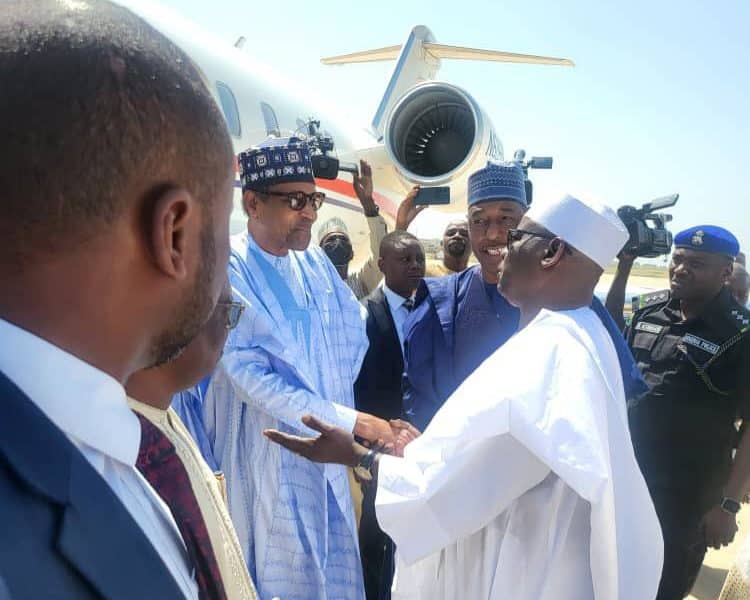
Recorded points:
(461, 319)
(297, 350)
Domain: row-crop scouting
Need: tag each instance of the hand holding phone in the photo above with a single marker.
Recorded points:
(429, 196)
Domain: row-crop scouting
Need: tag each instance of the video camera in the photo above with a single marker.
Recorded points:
(324, 165)
(535, 162)
(646, 241)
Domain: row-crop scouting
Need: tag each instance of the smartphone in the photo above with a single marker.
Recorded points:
(434, 195)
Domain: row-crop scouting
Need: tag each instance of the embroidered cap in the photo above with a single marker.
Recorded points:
(498, 181)
(275, 160)
(332, 225)
(708, 238)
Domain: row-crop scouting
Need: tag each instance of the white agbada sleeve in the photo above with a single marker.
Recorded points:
(544, 403)
(424, 506)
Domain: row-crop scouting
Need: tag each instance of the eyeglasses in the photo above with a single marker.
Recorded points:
(234, 311)
(298, 200)
(515, 235)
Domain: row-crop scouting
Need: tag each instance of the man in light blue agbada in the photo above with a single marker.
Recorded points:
(297, 350)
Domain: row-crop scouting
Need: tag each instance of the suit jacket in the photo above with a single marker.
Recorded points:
(63, 532)
(378, 388)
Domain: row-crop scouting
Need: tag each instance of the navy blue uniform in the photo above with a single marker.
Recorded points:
(683, 429)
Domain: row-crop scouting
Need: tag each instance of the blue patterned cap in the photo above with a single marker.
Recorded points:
(498, 181)
(276, 160)
(708, 238)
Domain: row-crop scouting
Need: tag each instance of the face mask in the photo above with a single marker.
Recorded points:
(339, 250)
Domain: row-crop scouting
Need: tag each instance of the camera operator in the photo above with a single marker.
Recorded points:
(691, 343)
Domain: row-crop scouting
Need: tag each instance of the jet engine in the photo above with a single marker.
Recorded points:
(438, 135)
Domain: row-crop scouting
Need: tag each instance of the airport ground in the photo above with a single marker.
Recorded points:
(717, 563)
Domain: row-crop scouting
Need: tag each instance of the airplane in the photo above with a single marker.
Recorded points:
(425, 131)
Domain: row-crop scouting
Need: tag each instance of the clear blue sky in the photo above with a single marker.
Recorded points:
(657, 103)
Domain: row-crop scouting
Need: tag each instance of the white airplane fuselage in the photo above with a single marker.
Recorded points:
(406, 143)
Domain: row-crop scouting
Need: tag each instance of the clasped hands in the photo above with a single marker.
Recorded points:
(336, 445)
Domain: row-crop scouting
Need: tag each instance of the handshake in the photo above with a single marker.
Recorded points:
(336, 445)
(390, 437)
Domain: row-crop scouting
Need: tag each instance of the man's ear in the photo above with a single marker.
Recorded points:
(250, 202)
(175, 225)
(726, 273)
(554, 253)
(380, 264)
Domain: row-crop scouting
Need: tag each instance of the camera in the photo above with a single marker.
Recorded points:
(324, 165)
(646, 241)
(535, 162)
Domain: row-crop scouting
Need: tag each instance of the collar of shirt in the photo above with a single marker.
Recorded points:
(713, 314)
(281, 263)
(88, 405)
(395, 301)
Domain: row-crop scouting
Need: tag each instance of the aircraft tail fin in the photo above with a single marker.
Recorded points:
(418, 59)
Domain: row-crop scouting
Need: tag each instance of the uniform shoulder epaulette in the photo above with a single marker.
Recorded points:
(740, 316)
(652, 299)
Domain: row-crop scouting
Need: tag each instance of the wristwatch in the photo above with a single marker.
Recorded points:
(729, 505)
(375, 210)
(364, 469)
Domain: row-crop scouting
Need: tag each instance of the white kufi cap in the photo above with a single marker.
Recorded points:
(594, 229)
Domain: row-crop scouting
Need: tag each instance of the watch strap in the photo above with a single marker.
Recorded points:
(730, 505)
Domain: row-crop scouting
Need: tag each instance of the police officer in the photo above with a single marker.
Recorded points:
(692, 345)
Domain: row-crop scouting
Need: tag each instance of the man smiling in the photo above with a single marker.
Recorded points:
(460, 319)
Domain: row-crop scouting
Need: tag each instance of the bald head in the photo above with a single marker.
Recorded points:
(116, 175)
(97, 109)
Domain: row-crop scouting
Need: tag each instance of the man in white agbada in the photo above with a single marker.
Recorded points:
(297, 350)
(524, 486)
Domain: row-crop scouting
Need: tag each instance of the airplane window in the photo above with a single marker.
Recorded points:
(229, 107)
(269, 116)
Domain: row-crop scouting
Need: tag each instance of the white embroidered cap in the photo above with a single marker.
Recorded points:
(594, 229)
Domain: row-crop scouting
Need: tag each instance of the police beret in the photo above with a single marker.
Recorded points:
(276, 160)
(708, 238)
(498, 181)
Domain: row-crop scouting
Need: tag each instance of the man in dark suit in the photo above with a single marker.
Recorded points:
(378, 388)
(116, 184)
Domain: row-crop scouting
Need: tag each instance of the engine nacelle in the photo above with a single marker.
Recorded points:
(437, 134)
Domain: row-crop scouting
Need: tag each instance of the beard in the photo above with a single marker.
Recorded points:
(194, 311)
(456, 248)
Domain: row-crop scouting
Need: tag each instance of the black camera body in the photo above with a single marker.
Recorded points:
(324, 165)
(645, 241)
(535, 162)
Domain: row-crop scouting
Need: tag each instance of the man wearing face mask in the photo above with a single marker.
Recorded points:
(333, 235)
(333, 238)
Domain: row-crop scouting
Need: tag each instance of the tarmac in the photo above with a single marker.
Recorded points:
(717, 562)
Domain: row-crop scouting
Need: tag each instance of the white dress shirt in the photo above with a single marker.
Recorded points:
(90, 407)
(399, 312)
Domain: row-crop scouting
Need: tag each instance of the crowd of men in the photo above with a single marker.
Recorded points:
(189, 415)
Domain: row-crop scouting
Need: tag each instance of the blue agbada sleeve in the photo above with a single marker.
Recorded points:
(188, 405)
(263, 379)
(632, 378)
